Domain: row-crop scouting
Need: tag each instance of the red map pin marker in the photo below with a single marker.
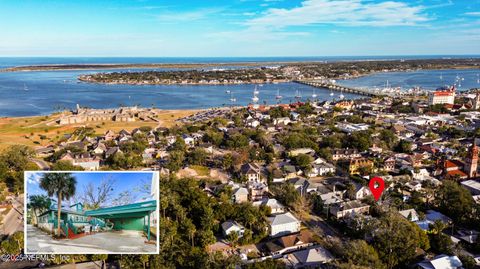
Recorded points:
(376, 187)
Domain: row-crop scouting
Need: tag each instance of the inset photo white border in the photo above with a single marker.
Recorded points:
(95, 228)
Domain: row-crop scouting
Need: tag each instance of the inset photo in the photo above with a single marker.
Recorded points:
(91, 212)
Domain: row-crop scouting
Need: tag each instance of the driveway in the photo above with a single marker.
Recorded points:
(13, 221)
(39, 242)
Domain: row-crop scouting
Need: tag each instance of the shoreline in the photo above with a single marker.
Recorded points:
(73, 67)
(82, 78)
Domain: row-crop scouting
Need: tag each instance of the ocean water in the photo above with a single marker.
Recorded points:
(427, 79)
(44, 92)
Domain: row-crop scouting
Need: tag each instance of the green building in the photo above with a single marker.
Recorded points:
(74, 218)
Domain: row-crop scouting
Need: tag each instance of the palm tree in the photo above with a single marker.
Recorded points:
(38, 203)
(61, 185)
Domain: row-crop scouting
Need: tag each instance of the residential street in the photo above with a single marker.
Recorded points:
(13, 221)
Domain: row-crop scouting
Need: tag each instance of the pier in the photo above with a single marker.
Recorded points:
(340, 88)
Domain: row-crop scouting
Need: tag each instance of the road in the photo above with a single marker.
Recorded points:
(13, 221)
(41, 164)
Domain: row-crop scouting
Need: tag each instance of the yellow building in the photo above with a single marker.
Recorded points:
(358, 163)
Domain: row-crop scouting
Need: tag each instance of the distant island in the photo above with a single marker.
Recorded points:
(62, 67)
(273, 74)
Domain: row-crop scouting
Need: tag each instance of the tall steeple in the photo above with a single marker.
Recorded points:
(472, 160)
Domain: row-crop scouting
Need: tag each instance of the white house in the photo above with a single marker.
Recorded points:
(283, 224)
(441, 262)
(189, 140)
(240, 195)
(410, 214)
(275, 206)
(230, 226)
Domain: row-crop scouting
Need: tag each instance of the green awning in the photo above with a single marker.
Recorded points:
(124, 211)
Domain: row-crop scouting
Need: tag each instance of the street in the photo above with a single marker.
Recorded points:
(13, 221)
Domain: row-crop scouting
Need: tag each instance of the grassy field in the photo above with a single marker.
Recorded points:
(36, 131)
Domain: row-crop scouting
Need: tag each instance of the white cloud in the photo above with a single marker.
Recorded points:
(342, 12)
(477, 13)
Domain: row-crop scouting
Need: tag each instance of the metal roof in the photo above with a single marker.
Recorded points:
(130, 210)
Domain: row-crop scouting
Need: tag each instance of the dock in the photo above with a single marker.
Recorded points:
(340, 88)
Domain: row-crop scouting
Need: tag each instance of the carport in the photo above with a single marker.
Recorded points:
(127, 217)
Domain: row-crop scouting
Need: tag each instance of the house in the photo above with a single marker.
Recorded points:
(361, 191)
(389, 164)
(440, 262)
(347, 209)
(286, 243)
(112, 151)
(240, 195)
(290, 171)
(275, 206)
(302, 185)
(414, 185)
(230, 226)
(109, 135)
(74, 218)
(282, 121)
(472, 185)
(257, 190)
(410, 214)
(251, 171)
(296, 152)
(453, 169)
(345, 154)
(310, 258)
(321, 169)
(189, 140)
(278, 176)
(416, 160)
(282, 224)
(356, 165)
(99, 149)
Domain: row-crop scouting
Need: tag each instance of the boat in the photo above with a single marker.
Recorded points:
(232, 99)
(341, 96)
(227, 91)
(314, 95)
(441, 76)
(255, 95)
(278, 96)
(478, 78)
(298, 96)
(25, 88)
(255, 91)
(332, 94)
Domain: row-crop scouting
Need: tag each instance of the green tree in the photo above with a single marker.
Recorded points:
(65, 166)
(175, 161)
(361, 253)
(61, 185)
(403, 146)
(303, 161)
(198, 156)
(454, 200)
(37, 204)
(397, 239)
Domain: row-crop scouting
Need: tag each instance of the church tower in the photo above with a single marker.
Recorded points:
(472, 161)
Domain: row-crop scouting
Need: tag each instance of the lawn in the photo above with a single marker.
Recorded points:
(42, 130)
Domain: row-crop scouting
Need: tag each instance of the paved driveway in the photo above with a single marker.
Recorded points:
(104, 242)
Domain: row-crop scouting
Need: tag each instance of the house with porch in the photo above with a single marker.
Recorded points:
(74, 219)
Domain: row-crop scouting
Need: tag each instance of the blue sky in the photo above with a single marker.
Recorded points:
(122, 182)
(238, 28)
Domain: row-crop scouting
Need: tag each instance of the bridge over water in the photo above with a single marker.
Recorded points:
(340, 88)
